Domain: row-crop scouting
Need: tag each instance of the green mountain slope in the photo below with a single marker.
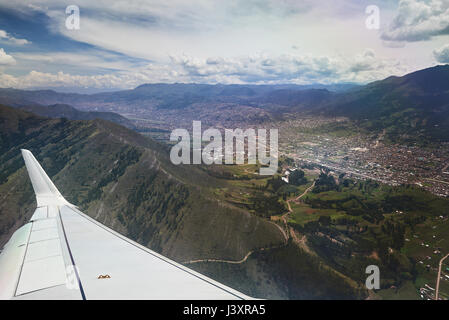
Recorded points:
(124, 181)
(71, 113)
(127, 182)
(413, 107)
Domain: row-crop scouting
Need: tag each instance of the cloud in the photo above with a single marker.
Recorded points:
(151, 29)
(123, 44)
(5, 36)
(442, 54)
(8, 81)
(36, 79)
(260, 68)
(6, 59)
(87, 60)
(393, 44)
(288, 68)
(418, 20)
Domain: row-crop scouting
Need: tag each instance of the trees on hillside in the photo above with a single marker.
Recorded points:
(297, 178)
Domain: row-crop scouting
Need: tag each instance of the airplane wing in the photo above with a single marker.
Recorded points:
(64, 254)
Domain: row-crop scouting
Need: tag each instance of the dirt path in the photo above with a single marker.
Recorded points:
(292, 233)
(296, 199)
(437, 290)
(221, 260)
(234, 261)
(285, 234)
(290, 210)
(288, 233)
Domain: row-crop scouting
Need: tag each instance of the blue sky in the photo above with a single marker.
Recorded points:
(122, 44)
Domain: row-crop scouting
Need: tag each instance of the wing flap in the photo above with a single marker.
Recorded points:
(135, 272)
(40, 274)
(44, 265)
(11, 260)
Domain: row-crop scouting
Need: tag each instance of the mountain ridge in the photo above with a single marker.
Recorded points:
(411, 108)
(87, 158)
(126, 181)
(71, 113)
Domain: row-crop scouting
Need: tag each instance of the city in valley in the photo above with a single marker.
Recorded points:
(363, 156)
(356, 153)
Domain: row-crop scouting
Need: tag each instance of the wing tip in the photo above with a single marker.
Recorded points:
(25, 152)
(44, 189)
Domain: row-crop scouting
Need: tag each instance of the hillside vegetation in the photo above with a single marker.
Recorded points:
(123, 180)
(127, 182)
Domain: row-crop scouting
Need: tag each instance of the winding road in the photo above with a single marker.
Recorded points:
(290, 233)
(439, 276)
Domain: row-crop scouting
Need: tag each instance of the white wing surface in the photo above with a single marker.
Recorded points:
(64, 254)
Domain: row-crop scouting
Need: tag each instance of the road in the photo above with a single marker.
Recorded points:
(290, 233)
(296, 199)
(234, 261)
(435, 180)
(439, 276)
(221, 260)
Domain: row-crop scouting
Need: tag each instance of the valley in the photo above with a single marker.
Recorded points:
(338, 146)
(127, 182)
(371, 184)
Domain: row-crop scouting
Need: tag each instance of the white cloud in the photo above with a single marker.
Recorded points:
(418, 20)
(36, 79)
(258, 68)
(203, 28)
(5, 36)
(442, 54)
(8, 81)
(93, 59)
(289, 68)
(234, 41)
(6, 59)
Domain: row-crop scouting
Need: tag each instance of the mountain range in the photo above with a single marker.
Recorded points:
(408, 108)
(71, 113)
(413, 106)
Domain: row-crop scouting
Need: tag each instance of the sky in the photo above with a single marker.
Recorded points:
(123, 44)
